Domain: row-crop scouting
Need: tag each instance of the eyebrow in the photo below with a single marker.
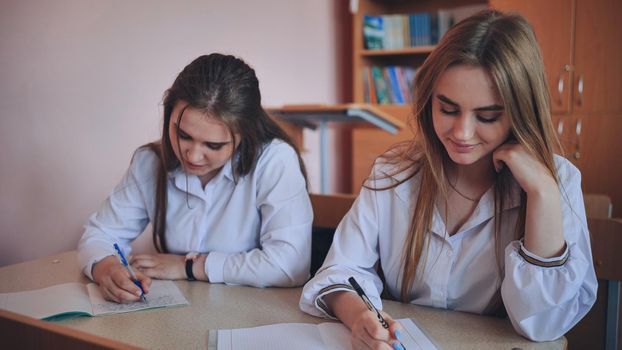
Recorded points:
(492, 108)
(210, 142)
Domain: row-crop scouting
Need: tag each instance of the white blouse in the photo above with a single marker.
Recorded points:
(461, 272)
(257, 232)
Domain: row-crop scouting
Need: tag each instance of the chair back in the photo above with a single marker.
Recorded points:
(328, 210)
(606, 247)
(597, 206)
(606, 243)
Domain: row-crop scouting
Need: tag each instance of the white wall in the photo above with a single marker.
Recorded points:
(81, 84)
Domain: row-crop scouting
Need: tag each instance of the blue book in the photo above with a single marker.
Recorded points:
(395, 86)
(413, 28)
(425, 28)
(373, 32)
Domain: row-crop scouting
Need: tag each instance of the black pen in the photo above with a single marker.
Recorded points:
(370, 305)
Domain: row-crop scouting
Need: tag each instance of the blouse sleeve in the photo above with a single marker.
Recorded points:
(353, 253)
(544, 298)
(283, 257)
(121, 218)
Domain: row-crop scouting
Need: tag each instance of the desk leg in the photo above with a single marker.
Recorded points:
(613, 314)
(323, 156)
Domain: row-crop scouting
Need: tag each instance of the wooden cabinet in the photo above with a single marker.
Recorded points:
(582, 51)
(598, 57)
(552, 22)
(369, 144)
(580, 42)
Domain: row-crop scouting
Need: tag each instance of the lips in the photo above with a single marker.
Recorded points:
(194, 166)
(462, 147)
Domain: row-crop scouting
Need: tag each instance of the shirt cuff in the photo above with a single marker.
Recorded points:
(319, 300)
(540, 261)
(215, 267)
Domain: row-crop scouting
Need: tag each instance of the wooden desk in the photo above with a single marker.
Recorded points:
(217, 306)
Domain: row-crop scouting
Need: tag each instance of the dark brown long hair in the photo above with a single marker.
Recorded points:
(223, 87)
(506, 47)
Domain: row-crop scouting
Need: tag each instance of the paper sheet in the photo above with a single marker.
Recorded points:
(305, 336)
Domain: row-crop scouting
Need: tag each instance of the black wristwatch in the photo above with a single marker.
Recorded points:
(190, 259)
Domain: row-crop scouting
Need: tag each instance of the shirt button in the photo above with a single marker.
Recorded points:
(449, 253)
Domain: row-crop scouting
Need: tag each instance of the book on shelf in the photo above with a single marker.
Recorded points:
(382, 91)
(369, 88)
(398, 31)
(373, 31)
(396, 92)
(388, 84)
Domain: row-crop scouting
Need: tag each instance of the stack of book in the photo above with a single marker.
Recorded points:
(406, 30)
(398, 31)
(388, 84)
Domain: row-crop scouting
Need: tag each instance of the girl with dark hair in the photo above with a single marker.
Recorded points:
(476, 213)
(224, 189)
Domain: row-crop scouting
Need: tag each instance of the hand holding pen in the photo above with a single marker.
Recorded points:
(131, 271)
(397, 345)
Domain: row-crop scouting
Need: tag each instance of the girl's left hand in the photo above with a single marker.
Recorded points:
(530, 173)
(160, 266)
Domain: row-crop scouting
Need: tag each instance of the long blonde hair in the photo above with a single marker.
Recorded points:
(506, 47)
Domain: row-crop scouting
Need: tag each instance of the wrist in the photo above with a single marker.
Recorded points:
(544, 189)
(101, 267)
(195, 267)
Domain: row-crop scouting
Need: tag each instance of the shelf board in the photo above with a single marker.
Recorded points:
(419, 50)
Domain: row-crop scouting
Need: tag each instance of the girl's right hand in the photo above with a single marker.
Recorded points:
(368, 333)
(115, 281)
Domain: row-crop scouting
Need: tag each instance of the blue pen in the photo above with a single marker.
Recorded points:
(129, 268)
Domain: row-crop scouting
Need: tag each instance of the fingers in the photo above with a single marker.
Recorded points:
(118, 286)
(143, 261)
(394, 327)
(368, 333)
(160, 266)
(145, 281)
(146, 265)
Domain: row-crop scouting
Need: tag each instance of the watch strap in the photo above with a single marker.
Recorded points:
(189, 273)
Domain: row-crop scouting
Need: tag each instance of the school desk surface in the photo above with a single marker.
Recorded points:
(217, 306)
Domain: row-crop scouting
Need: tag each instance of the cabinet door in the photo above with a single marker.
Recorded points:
(552, 22)
(599, 156)
(598, 57)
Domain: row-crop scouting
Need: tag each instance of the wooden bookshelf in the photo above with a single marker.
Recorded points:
(367, 144)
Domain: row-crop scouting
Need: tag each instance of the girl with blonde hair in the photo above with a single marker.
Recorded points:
(476, 213)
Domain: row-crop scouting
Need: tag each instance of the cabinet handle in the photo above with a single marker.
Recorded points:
(580, 91)
(560, 127)
(577, 152)
(560, 89)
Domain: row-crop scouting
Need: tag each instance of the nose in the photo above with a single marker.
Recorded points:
(194, 153)
(464, 127)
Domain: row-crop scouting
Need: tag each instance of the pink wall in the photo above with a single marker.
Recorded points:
(82, 83)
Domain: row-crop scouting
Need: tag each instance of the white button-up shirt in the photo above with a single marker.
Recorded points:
(257, 232)
(461, 271)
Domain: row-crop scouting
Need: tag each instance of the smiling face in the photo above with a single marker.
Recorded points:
(468, 115)
(203, 144)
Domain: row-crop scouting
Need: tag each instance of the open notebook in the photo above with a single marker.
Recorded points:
(79, 299)
(306, 336)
